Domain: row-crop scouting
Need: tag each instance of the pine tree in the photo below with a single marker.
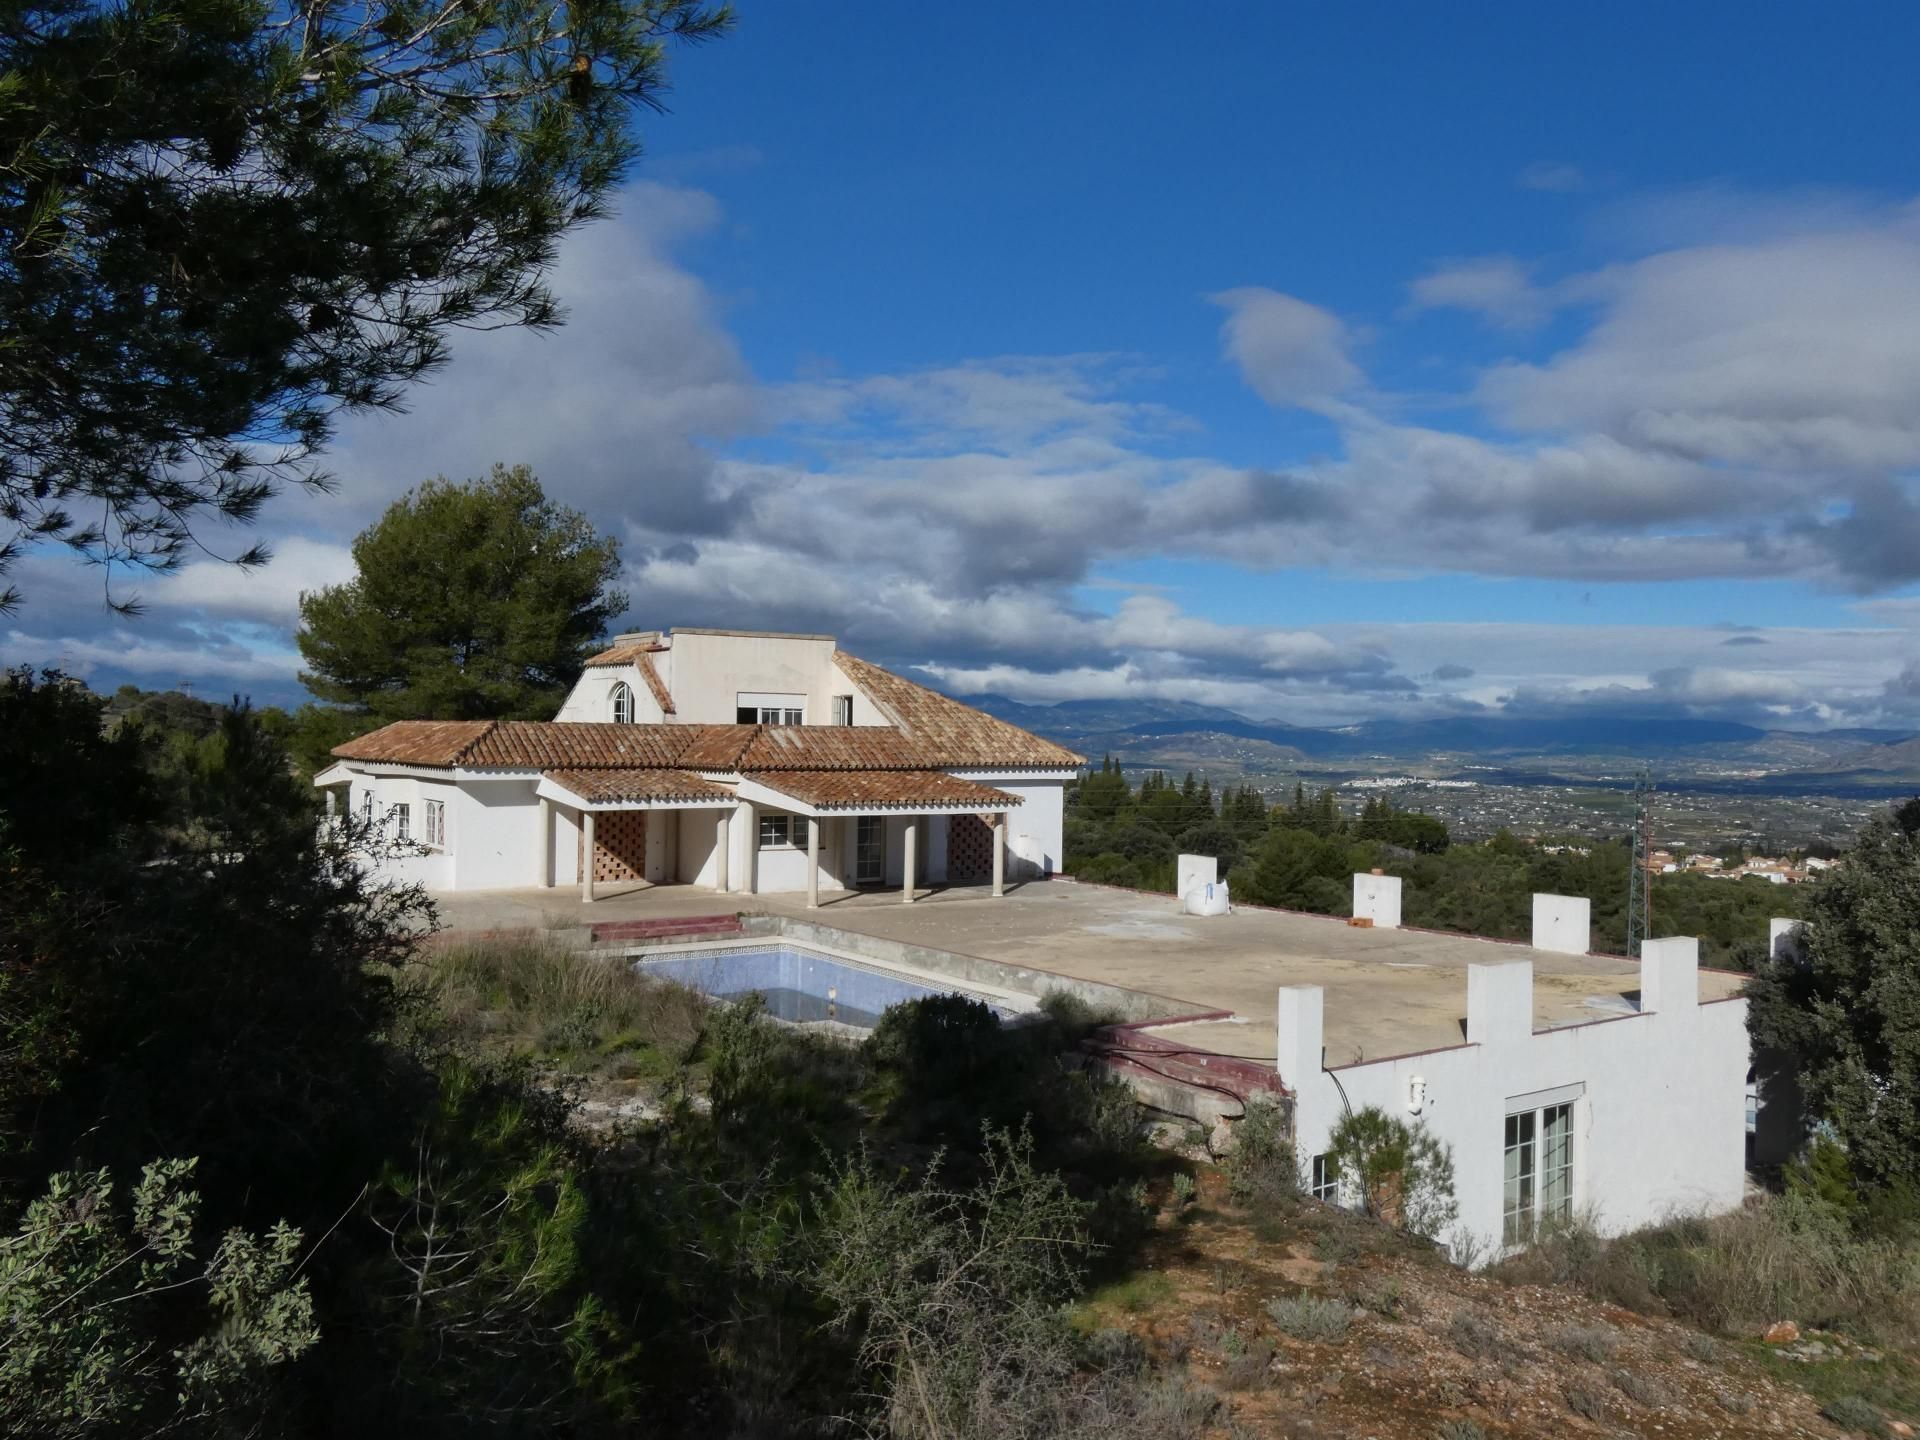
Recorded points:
(224, 223)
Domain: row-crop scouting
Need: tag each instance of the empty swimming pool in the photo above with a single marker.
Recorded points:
(799, 984)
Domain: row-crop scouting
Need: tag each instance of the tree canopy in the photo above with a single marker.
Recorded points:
(1844, 1005)
(472, 602)
(222, 222)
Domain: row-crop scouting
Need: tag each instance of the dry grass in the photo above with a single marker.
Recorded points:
(1781, 1256)
(528, 994)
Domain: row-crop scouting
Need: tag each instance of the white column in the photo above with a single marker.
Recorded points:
(544, 850)
(750, 852)
(330, 804)
(586, 858)
(1000, 854)
(813, 863)
(722, 848)
(911, 842)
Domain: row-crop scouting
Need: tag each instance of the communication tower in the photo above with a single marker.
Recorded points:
(1640, 879)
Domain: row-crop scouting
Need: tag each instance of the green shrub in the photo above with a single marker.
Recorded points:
(1404, 1175)
(1850, 1412)
(1589, 1342)
(1642, 1389)
(1480, 1339)
(1261, 1167)
(1586, 1403)
(1310, 1318)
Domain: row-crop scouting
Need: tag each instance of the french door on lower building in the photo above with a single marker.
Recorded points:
(869, 850)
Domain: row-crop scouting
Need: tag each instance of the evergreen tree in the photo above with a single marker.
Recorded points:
(1848, 1013)
(471, 602)
(223, 222)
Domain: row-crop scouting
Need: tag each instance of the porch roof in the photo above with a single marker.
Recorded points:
(871, 791)
(632, 788)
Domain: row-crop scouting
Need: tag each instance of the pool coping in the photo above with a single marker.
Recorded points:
(1015, 1001)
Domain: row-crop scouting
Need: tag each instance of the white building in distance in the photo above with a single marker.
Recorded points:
(741, 761)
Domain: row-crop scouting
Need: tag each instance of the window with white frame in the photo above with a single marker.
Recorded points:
(1538, 1171)
(765, 709)
(403, 822)
(1324, 1182)
(781, 832)
(434, 820)
(843, 709)
(622, 703)
(366, 805)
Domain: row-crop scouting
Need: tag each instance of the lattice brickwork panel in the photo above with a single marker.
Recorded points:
(619, 846)
(969, 848)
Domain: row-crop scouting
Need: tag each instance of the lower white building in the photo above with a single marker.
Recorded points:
(700, 758)
(1618, 1121)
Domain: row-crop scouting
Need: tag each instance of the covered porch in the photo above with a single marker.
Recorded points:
(875, 825)
(630, 827)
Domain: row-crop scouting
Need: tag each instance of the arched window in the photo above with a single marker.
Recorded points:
(622, 704)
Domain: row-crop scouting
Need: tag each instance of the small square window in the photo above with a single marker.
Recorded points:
(1325, 1181)
(773, 831)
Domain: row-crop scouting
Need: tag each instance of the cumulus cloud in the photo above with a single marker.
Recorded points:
(1498, 288)
(1736, 406)
(1290, 352)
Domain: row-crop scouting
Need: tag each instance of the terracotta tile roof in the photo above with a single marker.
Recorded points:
(641, 658)
(577, 744)
(528, 744)
(858, 789)
(945, 732)
(625, 654)
(714, 747)
(416, 742)
(831, 747)
(606, 787)
(654, 683)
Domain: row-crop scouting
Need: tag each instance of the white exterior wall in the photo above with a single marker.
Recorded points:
(1563, 924)
(1035, 827)
(1659, 1123)
(1377, 898)
(592, 695)
(493, 834)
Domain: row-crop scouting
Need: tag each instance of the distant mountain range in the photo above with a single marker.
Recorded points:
(1142, 728)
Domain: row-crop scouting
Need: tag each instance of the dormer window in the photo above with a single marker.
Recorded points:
(622, 703)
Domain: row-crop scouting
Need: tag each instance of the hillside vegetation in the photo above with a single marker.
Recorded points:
(1303, 856)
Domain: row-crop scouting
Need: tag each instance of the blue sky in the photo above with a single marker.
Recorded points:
(1296, 358)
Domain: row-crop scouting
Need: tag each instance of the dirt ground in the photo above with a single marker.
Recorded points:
(1431, 1351)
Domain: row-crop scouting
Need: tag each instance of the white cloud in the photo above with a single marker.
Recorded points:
(270, 594)
(1290, 352)
(1498, 288)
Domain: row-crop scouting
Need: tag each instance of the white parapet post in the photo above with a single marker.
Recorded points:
(1670, 973)
(722, 849)
(1194, 871)
(910, 859)
(1299, 1034)
(586, 860)
(813, 863)
(1376, 897)
(1499, 1002)
(1563, 924)
(543, 851)
(1787, 939)
(1000, 854)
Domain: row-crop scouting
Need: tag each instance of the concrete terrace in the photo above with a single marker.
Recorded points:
(1388, 992)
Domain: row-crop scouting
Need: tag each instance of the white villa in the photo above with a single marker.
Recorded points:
(737, 760)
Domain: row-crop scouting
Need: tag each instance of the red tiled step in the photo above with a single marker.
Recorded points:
(677, 928)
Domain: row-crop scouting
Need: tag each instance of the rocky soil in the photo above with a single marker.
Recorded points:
(1404, 1345)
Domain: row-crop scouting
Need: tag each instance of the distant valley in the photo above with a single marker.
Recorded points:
(1721, 782)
